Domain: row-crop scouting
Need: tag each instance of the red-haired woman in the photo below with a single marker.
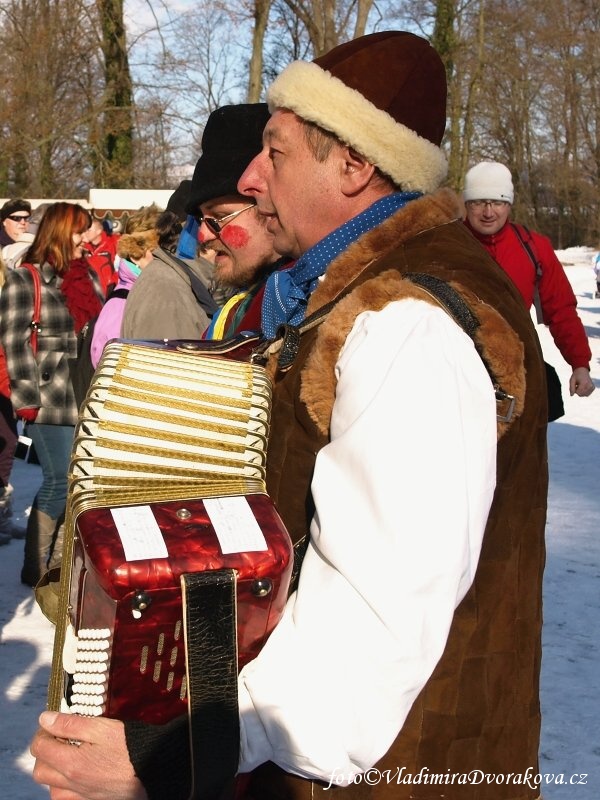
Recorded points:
(41, 391)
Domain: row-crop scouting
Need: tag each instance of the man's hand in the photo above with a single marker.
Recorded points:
(81, 758)
(581, 383)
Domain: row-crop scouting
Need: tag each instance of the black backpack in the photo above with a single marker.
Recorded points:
(81, 369)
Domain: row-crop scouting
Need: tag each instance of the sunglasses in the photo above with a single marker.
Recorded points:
(216, 225)
(14, 218)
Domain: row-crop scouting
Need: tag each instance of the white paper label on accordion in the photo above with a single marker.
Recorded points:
(235, 525)
(139, 533)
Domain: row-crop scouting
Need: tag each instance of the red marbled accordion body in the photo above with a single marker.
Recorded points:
(140, 602)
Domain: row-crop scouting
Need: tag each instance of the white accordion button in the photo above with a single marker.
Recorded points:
(94, 633)
(69, 655)
(89, 677)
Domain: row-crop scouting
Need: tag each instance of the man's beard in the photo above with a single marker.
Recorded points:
(237, 276)
(230, 268)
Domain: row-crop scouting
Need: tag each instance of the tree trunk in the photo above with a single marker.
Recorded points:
(261, 17)
(117, 132)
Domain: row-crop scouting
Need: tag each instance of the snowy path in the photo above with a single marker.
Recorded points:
(571, 665)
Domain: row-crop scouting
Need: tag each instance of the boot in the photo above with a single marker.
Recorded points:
(47, 590)
(57, 547)
(38, 545)
(7, 526)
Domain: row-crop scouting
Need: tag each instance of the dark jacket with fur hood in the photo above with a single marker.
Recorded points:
(480, 708)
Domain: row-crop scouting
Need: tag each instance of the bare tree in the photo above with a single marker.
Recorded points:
(569, 106)
(330, 22)
(524, 90)
(286, 40)
(255, 69)
(94, 105)
(194, 75)
(44, 44)
(114, 168)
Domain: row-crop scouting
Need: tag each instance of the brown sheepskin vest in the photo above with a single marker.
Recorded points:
(479, 710)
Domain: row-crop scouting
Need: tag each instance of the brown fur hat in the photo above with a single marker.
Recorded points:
(384, 95)
(133, 246)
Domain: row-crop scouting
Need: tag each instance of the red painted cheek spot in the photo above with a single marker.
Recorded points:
(200, 236)
(234, 236)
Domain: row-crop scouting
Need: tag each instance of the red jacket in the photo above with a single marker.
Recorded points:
(559, 304)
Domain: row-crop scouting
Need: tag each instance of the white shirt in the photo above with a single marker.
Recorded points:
(402, 494)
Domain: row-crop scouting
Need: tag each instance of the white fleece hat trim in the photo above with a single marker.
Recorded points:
(489, 180)
(315, 95)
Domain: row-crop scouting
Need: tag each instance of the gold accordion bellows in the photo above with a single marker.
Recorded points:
(170, 421)
(167, 428)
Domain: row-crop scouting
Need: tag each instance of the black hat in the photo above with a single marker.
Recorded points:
(231, 139)
(180, 198)
(14, 205)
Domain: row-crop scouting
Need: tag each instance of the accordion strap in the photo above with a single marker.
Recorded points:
(209, 612)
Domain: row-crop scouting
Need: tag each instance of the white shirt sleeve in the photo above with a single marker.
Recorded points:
(402, 494)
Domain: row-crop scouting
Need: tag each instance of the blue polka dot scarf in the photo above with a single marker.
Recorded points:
(287, 291)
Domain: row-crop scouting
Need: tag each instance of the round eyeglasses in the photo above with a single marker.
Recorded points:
(483, 203)
(216, 225)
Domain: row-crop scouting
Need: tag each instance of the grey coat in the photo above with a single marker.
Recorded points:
(41, 381)
(161, 304)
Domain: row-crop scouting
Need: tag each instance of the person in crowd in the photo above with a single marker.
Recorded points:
(411, 645)
(15, 239)
(8, 442)
(189, 249)
(186, 305)
(528, 258)
(12, 254)
(135, 251)
(597, 274)
(94, 336)
(100, 249)
(41, 392)
(229, 226)
(14, 219)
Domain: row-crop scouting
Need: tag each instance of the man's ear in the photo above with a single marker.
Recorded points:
(357, 172)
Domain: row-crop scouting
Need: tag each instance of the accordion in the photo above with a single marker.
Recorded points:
(166, 501)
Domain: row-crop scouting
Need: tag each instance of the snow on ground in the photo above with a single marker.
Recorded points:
(570, 688)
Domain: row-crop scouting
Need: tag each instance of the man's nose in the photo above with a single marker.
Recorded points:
(205, 234)
(252, 182)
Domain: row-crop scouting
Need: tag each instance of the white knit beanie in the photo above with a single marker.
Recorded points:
(489, 180)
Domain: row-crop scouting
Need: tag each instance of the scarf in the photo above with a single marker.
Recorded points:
(130, 267)
(287, 292)
(77, 287)
(187, 246)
